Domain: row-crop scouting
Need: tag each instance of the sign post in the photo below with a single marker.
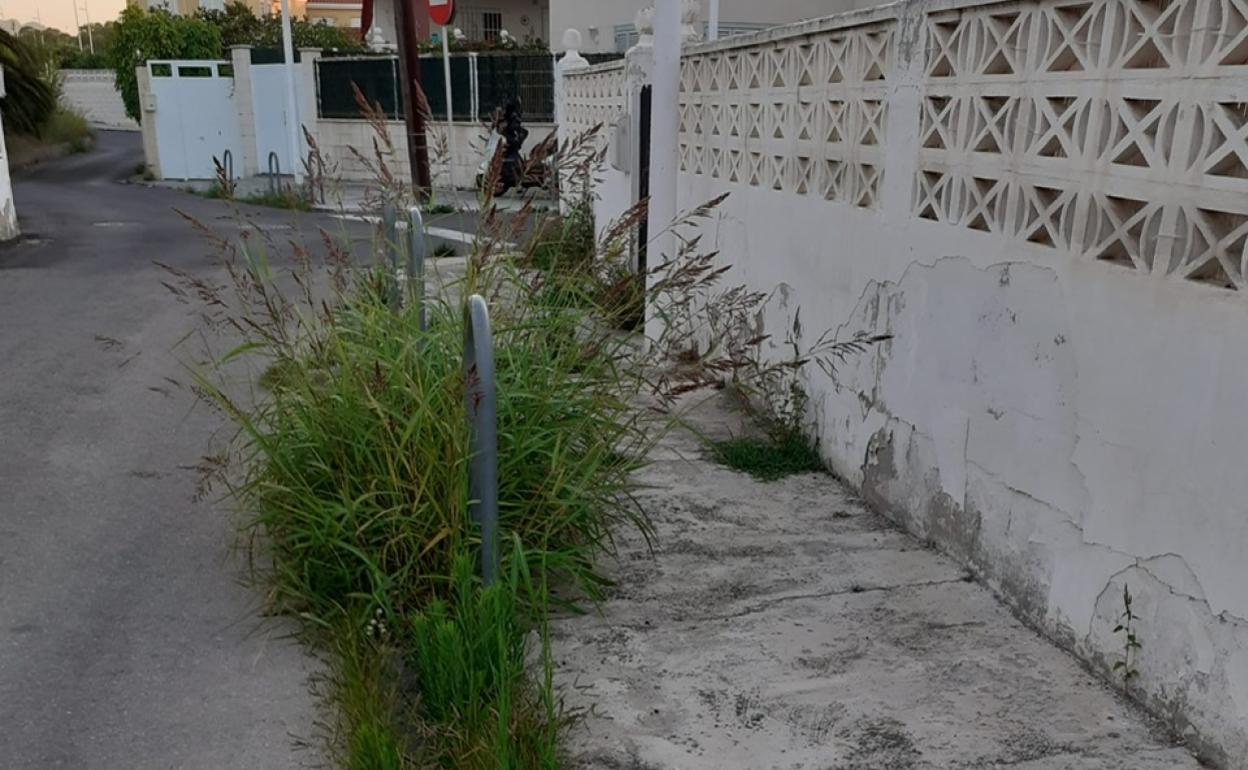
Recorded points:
(292, 109)
(441, 12)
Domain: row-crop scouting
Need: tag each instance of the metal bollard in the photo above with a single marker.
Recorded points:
(390, 236)
(479, 392)
(275, 174)
(227, 165)
(416, 261)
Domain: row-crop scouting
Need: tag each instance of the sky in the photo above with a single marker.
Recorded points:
(59, 13)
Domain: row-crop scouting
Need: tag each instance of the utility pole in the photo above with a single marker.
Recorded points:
(78, 25)
(86, 14)
(292, 111)
(409, 71)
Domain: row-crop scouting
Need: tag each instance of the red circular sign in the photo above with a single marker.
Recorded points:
(441, 11)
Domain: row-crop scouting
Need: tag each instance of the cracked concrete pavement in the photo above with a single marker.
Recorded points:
(785, 625)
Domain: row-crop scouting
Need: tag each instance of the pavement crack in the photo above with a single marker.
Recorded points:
(828, 594)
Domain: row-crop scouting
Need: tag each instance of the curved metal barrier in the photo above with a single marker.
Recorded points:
(479, 393)
(275, 174)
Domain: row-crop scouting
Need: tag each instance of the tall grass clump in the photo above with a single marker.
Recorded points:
(349, 460)
(351, 466)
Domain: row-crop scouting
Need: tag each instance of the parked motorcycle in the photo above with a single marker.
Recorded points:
(505, 147)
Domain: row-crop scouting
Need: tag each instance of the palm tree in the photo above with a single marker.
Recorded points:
(29, 98)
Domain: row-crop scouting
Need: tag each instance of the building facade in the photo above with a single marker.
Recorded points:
(607, 25)
(335, 13)
(527, 21)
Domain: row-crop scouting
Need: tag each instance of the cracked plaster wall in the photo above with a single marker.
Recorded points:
(1063, 426)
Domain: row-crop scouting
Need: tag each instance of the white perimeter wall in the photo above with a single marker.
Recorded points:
(1047, 206)
(94, 94)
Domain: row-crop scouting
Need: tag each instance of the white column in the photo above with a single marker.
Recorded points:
(292, 101)
(664, 126)
(712, 23)
(569, 62)
(244, 103)
(8, 210)
(638, 73)
(308, 108)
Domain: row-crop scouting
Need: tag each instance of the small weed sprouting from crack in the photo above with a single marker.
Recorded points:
(769, 459)
(1130, 640)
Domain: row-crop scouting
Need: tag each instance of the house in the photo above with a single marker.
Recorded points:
(478, 20)
(607, 25)
(335, 13)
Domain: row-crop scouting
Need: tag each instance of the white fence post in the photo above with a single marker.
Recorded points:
(244, 103)
(638, 73)
(664, 127)
(8, 212)
(571, 61)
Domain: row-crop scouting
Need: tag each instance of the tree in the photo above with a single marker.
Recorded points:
(30, 97)
(156, 34)
(239, 26)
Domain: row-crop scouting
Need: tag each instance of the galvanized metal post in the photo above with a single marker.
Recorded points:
(480, 399)
(416, 262)
(275, 174)
(390, 236)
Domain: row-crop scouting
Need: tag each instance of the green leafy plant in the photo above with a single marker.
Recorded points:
(769, 459)
(65, 125)
(239, 25)
(1131, 644)
(30, 98)
(349, 468)
(468, 654)
(156, 34)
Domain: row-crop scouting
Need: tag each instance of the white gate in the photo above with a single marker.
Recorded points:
(269, 95)
(196, 118)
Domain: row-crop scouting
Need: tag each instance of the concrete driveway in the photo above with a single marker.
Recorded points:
(125, 638)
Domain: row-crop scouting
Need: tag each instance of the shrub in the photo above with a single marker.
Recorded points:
(156, 34)
(354, 465)
(66, 125)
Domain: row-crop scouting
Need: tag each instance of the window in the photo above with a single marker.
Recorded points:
(481, 23)
(491, 25)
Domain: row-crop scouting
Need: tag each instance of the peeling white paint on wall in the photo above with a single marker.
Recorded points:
(1047, 214)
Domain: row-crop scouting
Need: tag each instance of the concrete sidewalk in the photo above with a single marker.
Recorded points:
(785, 625)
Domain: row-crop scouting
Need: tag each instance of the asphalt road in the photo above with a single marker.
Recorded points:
(126, 640)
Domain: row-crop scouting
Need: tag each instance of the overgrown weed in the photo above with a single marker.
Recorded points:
(349, 465)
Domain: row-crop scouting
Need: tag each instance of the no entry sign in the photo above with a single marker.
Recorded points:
(441, 11)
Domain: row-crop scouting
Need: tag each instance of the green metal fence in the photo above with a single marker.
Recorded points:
(376, 77)
(433, 81)
(529, 78)
(480, 84)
